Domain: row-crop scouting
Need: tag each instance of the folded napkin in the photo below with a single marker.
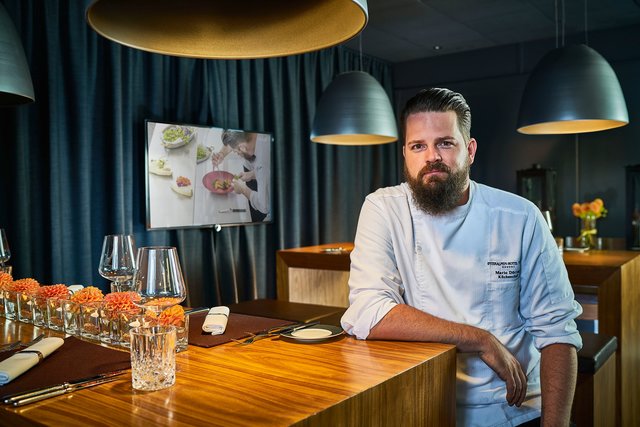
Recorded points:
(216, 321)
(74, 288)
(26, 359)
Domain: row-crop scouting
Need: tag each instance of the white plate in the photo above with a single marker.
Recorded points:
(315, 333)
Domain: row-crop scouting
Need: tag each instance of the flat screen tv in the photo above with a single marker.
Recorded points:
(204, 176)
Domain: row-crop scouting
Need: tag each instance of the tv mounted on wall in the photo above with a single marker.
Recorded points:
(204, 176)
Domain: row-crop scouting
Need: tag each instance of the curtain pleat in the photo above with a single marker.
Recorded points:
(72, 163)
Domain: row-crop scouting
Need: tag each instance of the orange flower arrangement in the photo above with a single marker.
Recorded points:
(172, 316)
(53, 291)
(121, 301)
(163, 302)
(5, 280)
(594, 209)
(88, 294)
(26, 286)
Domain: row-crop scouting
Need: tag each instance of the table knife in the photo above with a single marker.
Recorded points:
(196, 310)
(23, 398)
(231, 210)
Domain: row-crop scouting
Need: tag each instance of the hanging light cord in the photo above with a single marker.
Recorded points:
(563, 22)
(360, 45)
(586, 33)
(556, 22)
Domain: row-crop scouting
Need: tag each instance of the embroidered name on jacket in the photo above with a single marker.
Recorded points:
(504, 270)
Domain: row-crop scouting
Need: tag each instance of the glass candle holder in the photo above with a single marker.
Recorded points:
(55, 314)
(71, 316)
(182, 334)
(131, 320)
(39, 312)
(90, 319)
(25, 302)
(11, 304)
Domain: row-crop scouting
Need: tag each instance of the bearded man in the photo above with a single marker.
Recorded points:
(442, 258)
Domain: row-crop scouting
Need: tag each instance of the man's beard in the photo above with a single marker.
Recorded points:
(438, 196)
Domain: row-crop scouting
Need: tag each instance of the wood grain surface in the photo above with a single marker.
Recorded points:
(615, 278)
(273, 382)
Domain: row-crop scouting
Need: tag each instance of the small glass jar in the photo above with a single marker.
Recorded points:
(90, 319)
(55, 313)
(39, 312)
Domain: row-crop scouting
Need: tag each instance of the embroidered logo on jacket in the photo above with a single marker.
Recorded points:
(504, 270)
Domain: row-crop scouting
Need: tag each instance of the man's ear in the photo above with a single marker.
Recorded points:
(472, 146)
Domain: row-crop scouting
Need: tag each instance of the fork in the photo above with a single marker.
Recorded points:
(262, 334)
(18, 344)
(278, 330)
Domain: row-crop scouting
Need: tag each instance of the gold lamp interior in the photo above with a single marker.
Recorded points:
(228, 29)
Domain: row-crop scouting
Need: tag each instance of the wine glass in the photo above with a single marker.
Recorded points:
(5, 253)
(158, 279)
(117, 262)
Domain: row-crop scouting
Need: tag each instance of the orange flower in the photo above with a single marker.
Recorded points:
(5, 280)
(88, 294)
(576, 209)
(26, 286)
(53, 291)
(593, 209)
(172, 316)
(121, 301)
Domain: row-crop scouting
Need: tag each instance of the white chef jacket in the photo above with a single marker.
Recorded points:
(491, 263)
(261, 165)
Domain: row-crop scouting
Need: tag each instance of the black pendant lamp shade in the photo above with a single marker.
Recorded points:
(573, 89)
(16, 87)
(354, 110)
(228, 29)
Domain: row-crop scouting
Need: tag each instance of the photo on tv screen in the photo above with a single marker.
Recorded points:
(203, 176)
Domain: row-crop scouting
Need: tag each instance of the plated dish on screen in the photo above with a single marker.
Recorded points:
(203, 153)
(316, 333)
(175, 136)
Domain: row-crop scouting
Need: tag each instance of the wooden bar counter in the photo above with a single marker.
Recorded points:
(614, 276)
(272, 382)
(314, 274)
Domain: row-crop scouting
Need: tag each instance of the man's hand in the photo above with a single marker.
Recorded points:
(247, 176)
(503, 363)
(240, 187)
(217, 158)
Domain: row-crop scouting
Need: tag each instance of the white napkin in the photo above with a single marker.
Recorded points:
(20, 363)
(216, 320)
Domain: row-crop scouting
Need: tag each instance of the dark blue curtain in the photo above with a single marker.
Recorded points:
(72, 163)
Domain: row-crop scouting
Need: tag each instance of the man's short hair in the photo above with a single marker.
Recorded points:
(232, 137)
(439, 100)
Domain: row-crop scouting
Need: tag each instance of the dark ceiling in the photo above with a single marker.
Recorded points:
(403, 30)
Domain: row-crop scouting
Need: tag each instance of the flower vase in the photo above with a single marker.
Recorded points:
(588, 232)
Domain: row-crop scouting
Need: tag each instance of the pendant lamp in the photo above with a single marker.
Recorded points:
(228, 29)
(354, 110)
(573, 89)
(16, 87)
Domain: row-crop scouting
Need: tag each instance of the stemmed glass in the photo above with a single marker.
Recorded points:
(5, 253)
(117, 262)
(158, 279)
